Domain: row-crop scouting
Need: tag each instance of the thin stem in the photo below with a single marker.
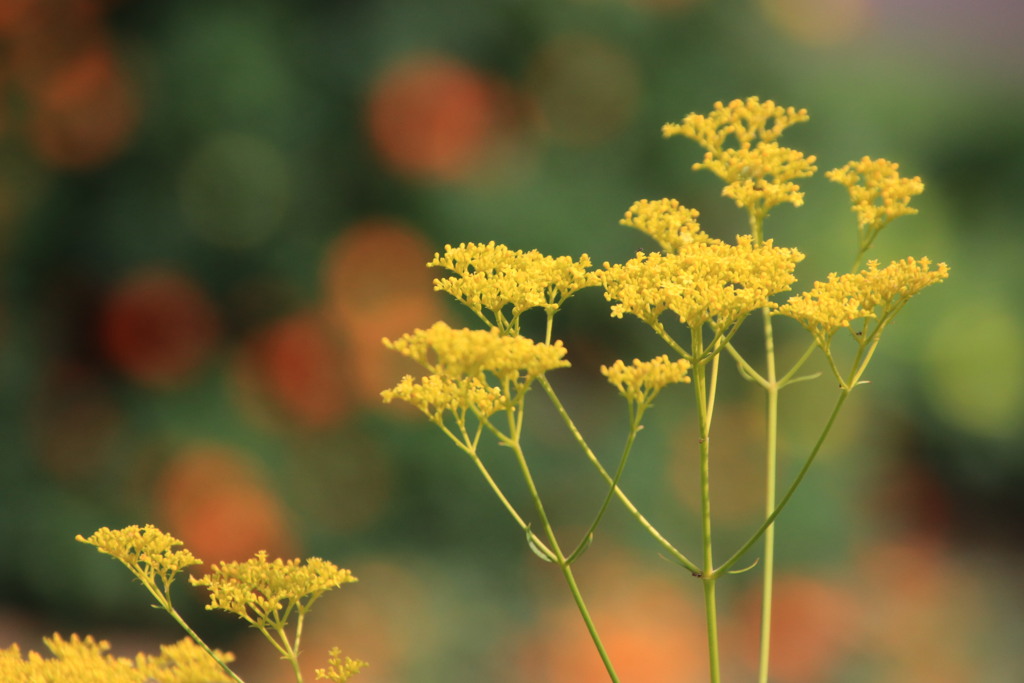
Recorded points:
(634, 428)
(790, 491)
(771, 449)
(711, 616)
(585, 613)
(561, 559)
(788, 377)
(165, 603)
(471, 452)
(623, 498)
(746, 370)
(701, 392)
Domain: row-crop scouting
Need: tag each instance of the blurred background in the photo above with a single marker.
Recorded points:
(210, 214)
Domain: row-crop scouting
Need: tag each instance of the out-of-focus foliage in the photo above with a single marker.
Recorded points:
(212, 212)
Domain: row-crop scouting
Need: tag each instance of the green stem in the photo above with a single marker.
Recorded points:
(467, 448)
(711, 616)
(585, 613)
(771, 449)
(700, 389)
(295, 647)
(561, 560)
(623, 498)
(634, 427)
(164, 599)
(789, 492)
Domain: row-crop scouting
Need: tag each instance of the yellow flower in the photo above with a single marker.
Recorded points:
(493, 277)
(459, 363)
(872, 293)
(758, 172)
(339, 670)
(435, 395)
(147, 551)
(667, 221)
(471, 353)
(641, 381)
(878, 193)
(710, 282)
(746, 120)
(86, 660)
(183, 662)
(265, 592)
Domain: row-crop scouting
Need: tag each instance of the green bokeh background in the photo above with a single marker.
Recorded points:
(252, 155)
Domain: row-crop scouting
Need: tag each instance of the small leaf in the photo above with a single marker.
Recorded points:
(745, 569)
(538, 548)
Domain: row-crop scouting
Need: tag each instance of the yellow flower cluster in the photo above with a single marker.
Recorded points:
(671, 224)
(470, 353)
(642, 380)
(758, 172)
(435, 395)
(746, 120)
(492, 277)
(460, 360)
(79, 660)
(712, 282)
(147, 551)
(339, 670)
(872, 293)
(878, 193)
(264, 592)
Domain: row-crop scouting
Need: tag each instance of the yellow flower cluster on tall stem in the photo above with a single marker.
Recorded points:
(694, 293)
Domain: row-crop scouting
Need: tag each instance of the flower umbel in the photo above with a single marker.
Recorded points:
(265, 593)
(269, 593)
(436, 395)
(878, 194)
(710, 282)
(873, 293)
(86, 660)
(339, 670)
(758, 172)
(472, 353)
(146, 551)
(509, 282)
(641, 381)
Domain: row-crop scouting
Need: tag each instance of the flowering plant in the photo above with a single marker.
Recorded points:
(476, 381)
(266, 594)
